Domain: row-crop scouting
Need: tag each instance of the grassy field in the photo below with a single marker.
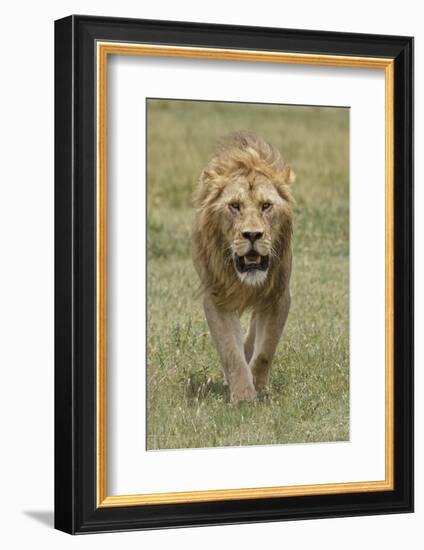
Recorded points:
(308, 400)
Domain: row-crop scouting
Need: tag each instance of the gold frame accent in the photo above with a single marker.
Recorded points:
(120, 48)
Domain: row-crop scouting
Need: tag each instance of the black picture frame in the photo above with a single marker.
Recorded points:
(76, 508)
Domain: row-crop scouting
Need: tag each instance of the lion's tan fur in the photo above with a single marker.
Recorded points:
(247, 155)
(244, 204)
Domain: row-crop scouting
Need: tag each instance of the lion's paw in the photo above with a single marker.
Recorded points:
(260, 382)
(245, 393)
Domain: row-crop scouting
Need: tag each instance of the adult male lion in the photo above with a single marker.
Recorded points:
(242, 253)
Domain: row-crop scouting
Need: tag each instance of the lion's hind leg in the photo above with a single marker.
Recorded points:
(249, 342)
(269, 328)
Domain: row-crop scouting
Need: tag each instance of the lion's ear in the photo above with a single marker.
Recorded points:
(289, 175)
(210, 187)
(208, 175)
(282, 183)
(212, 179)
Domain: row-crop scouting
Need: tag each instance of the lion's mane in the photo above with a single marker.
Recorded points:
(243, 153)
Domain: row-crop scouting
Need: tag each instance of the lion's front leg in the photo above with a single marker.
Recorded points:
(269, 328)
(228, 338)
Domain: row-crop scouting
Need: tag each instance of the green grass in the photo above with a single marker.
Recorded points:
(308, 399)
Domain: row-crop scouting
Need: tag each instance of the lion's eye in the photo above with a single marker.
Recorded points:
(266, 206)
(235, 205)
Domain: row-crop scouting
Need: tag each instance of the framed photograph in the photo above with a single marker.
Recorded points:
(234, 274)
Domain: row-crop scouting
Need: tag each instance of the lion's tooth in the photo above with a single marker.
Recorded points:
(252, 260)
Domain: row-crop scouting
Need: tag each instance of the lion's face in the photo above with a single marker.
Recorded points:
(243, 222)
(251, 211)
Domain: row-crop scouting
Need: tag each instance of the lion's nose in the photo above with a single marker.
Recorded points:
(252, 236)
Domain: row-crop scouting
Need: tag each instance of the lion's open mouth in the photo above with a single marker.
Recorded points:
(251, 261)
